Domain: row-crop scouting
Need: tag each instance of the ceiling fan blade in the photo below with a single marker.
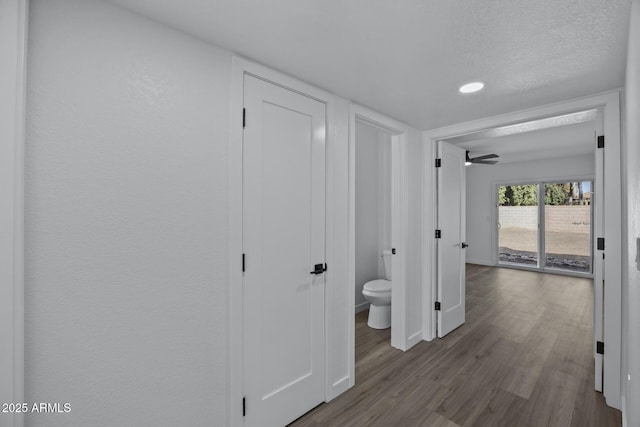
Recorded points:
(486, 156)
(483, 162)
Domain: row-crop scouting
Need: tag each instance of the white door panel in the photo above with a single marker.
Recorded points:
(451, 223)
(283, 238)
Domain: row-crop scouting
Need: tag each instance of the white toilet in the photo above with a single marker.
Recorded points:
(378, 293)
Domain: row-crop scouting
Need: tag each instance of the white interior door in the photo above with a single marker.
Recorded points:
(598, 257)
(283, 239)
(450, 246)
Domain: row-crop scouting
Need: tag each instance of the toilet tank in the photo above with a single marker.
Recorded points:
(386, 258)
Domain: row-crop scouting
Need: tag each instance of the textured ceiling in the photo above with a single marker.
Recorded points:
(562, 141)
(407, 58)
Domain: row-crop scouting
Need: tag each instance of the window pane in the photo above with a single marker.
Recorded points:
(568, 226)
(518, 225)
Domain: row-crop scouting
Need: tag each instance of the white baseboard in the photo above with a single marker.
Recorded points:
(414, 339)
(362, 306)
(338, 388)
(480, 262)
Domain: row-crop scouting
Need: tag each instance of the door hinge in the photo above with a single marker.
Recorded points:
(438, 163)
(601, 141)
(599, 347)
(244, 118)
(393, 251)
(438, 234)
(601, 243)
(244, 406)
(437, 306)
(243, 257)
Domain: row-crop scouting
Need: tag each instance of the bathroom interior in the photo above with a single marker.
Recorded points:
(373, 226)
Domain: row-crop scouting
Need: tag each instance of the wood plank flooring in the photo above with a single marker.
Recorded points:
(523, 358)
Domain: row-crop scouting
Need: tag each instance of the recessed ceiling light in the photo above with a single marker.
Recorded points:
(471, 87)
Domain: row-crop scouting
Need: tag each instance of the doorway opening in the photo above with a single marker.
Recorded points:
(602, 108)
(377, 225)
(373, 221)
(532, 177)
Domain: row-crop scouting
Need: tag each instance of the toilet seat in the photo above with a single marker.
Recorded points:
(378, 286)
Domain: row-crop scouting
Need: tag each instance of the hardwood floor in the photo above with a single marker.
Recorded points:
(523, 358)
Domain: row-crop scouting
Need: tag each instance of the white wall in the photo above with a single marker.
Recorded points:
(481, 186)
(126, 189)
(631, 267)
(414, 194)
(126, 304)
(384, 198)
(372, 204)
(13, 19)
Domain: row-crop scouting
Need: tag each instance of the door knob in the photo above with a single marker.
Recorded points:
(319, 269)
(464, 245)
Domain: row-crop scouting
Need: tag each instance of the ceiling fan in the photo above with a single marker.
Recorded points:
(481, 160)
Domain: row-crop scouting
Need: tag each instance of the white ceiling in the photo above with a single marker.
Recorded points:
(406, 58)
(556, 142)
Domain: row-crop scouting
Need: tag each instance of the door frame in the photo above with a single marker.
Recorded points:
(609, 102)
(399, 220)
(336, 364)
(13, 48)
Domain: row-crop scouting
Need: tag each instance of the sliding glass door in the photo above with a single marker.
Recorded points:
(546, 226)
